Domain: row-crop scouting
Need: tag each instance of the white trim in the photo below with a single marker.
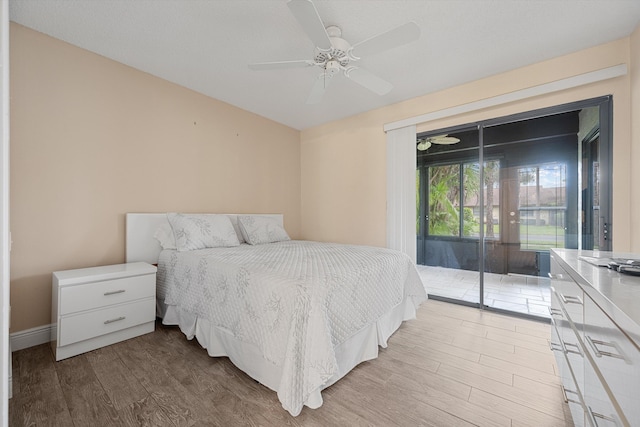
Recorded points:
(5, 234)
(31, 337)
(543, 89)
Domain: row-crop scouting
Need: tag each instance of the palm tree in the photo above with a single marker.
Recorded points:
(444, 216)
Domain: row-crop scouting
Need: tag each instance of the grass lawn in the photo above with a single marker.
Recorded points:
(540, 237)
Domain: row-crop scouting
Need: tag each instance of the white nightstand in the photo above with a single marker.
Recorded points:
(99, 306)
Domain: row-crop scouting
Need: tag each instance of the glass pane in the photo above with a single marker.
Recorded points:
(492, 199)
(444, 200)
(471, 198)
(542, 206)
(448, 247)
(590, 193)
(418, 190)
(473, 212)
(595, 189)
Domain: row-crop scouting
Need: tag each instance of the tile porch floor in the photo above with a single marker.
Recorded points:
(519, 293)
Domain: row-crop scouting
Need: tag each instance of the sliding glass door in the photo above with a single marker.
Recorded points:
(494, 197)
(448, 225)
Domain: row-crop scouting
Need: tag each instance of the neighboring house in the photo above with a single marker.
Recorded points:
(538, 205)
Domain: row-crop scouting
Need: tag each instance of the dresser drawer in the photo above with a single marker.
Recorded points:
(617, 360)
(75, 328)
(89, 296)
(600, 410)
(567, 338)
(570, 298)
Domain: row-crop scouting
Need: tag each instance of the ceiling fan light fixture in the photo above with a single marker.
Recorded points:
(423, 144)
(332, 68)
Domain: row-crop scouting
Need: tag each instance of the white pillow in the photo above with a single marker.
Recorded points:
(193, 231)
(234, 222)
(164, 235)
(261, 229)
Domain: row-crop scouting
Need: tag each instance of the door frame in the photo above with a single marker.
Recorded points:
(5, 235)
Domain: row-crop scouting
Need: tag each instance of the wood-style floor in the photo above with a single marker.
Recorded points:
(452, 366)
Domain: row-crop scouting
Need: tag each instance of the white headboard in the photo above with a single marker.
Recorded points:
(140, 243)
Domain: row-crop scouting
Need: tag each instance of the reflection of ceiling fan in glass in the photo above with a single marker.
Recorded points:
(425, 143)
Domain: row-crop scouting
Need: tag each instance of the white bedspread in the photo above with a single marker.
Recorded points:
(296, 301)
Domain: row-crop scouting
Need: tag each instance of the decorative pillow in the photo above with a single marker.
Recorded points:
(164, 235)
(193, 231)
(234, 222)
(260, 229)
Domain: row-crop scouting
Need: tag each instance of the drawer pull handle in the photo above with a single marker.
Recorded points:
(566, 397)
(576, 351)
(558, 276)
(119, 291)
(599, 353)
(555, 311)
(570, 299)
(594, 415)
(117, 319)
(553, 346)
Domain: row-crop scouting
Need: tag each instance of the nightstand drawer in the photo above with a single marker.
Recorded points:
(95, 295)
(104, 321)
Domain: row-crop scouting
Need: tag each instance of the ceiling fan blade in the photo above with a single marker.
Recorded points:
(370, 81)
(445, 140)
(302, 63)
(393, 38)
(318, 89)
(307, 15)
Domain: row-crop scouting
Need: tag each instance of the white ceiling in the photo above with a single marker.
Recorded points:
(205, 45)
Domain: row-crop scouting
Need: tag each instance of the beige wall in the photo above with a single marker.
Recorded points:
(92, 139)
(343, 163)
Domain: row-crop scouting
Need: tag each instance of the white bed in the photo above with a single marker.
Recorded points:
(294, 315)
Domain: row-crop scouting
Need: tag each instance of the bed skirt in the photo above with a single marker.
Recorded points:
(360, 347)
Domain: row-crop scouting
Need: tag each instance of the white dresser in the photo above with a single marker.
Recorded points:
(99, 306)
(595, 335)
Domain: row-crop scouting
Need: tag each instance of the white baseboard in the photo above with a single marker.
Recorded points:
(30, 337)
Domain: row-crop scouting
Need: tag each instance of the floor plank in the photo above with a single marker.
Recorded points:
(144, 412)
(40, 399)
(519, 414)
(452, 366)
(86, 399)
(523, 371)
(533, 398)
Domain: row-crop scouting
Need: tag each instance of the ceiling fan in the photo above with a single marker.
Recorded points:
(425, 143)
(333, 54)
